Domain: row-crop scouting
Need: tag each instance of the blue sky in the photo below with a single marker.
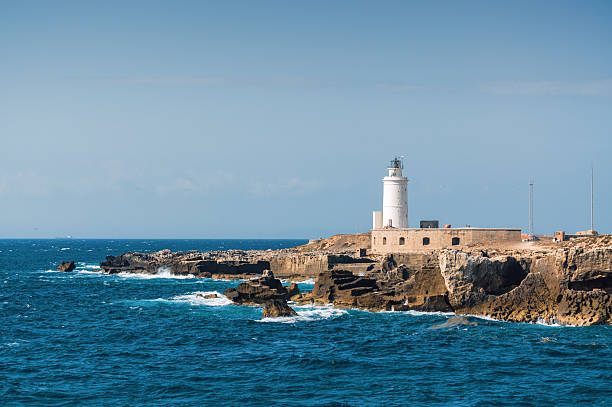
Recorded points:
(278, 119)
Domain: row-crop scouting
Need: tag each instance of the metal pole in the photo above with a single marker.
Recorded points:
(530, 209)
(592, 223)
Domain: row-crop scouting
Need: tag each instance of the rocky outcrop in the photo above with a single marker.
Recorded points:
(278, 308)
(66, 266)
(259, 291)
(344, 289)
(232, 264)
(472, 280)
(570, 285)
(237, 264)
(338, 243)
(564, 282)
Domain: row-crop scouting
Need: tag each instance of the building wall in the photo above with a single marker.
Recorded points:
(388, 240)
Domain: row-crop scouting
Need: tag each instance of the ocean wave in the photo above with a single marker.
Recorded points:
(11, 344)
(97, 271)
(309, 314)
(163, 272)
(83, 265)
(421, 313)
(545, 322)
(65, 248)
(197, 298)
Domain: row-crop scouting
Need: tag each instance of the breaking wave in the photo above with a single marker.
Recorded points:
(309, 314)
(198, 298)
(162, 272)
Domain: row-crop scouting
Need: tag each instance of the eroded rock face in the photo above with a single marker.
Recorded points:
(66, 266)
(570, 285)
(344, 289)
(471, 280)
(278, 308)
(230, 264)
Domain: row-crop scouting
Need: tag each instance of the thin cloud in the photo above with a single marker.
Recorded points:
(550, 88)
(293, 186)
(273, 81)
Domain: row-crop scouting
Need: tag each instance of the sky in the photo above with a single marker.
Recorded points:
(277, 119)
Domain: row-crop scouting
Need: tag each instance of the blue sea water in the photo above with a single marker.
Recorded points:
(85, 338)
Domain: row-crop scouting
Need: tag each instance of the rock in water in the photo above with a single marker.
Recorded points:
(278, 308)
(257, 291)
(293, 290)
(66, 266)
(207, 296)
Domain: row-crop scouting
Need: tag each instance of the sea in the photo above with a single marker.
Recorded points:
(86, 338)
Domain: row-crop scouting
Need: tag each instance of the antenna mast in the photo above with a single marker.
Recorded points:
(592, 223)
(530, 210)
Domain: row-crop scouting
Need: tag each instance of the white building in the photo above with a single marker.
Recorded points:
(395, 199)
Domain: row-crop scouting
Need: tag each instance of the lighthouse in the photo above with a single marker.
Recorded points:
(395, 199)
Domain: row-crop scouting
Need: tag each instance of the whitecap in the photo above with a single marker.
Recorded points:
(545, 322)
(197, 298)
(162, 272)
(98, 271)
(308, 314)
(90, 266)
(484, 317)
(65, 248)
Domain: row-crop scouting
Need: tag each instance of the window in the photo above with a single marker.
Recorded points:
(374, 242)
(384, 240)
(425, 241)
(455, 241)
(402, 241)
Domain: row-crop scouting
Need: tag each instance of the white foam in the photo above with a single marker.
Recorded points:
(89, 266)
(545, 322)
(420, 313)
(162, 272)
(197, 298)
(485, 317)
(307, 281)
(65, 248)
(309, 314)
(98, 271)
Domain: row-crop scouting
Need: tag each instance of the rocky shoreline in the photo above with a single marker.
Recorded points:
(567, 283)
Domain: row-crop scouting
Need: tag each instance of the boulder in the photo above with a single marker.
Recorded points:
(66, 266)
(293, 290)
(257, 291)
(207, 296)
(344, 289)
(278, 308)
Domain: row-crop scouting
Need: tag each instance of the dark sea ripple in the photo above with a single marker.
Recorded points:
(85, 338)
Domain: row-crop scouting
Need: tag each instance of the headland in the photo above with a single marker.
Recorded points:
(567, 282)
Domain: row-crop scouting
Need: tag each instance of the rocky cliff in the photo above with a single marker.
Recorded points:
(565, 283)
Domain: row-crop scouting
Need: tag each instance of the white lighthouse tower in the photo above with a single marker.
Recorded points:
(395, 199)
